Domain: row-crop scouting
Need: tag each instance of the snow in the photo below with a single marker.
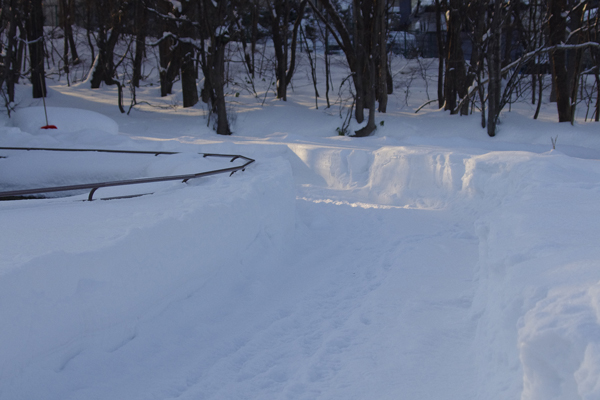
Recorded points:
(426, 262)
(68, 120)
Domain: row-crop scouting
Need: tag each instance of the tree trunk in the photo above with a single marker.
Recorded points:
(557, 26)
(218, 82)
(276, 11)
(66, 7)
(35, 37)
(141, 15)
(494, 67)
(188, 75)
(380, 45)
(279, 13)
(441, 54)
(188, 56)
(455, 76)
(215, 26)
(109, 21)
(363, 54)
(9, 58)
(478, 16)
(574, 56)
(169, 57)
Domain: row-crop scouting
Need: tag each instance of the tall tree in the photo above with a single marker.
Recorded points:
(557, 28)
(187, 53)
(494, 59)
(35, 38)
(455, 75)
(140, 31)
(364, 53)
(67, 10)
(280, 12)
(10, 19)
(177, 51)
(217, 24)
(168, 51)
(109, 15)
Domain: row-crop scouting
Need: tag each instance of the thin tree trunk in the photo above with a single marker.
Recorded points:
(494, 67)
(141, 15)
(327, 66)
(35, 36)
(9, 62)
(188, 75)
(218, 82)
(557, 26)
(441, 54)
(380, 43)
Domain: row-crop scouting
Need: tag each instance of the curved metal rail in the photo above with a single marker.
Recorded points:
(98, 185)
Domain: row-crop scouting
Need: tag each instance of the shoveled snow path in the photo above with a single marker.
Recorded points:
(359, 314)
(388, 312)
(372, 302)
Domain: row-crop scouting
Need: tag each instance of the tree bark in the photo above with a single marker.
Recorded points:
(455, 76)
(35, 37)
(557, 27)
(168, 51)
(363, 50)
(188, 55)
(9, 59)
(441, 54)
(141, 14)
(494, 67)
(109, 20)
(216, 23)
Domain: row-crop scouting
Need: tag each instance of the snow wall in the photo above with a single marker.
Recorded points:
(537, 299)
(109, 278)
(538, 294)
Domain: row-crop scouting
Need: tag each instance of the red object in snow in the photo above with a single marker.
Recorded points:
(49, 127)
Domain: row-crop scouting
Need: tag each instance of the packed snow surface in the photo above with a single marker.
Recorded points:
(426, 262)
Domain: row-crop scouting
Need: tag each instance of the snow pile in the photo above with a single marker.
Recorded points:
(538, 275)
(67, 120)
(426, 177)
(73, 272)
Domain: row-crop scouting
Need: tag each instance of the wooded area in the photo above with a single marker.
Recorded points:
(487, 50)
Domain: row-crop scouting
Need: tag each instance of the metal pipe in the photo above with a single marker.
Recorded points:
(98, 185)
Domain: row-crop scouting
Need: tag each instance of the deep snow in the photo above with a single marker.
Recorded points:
(426, 262)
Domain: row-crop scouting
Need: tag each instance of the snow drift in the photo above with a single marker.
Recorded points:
(116, 261)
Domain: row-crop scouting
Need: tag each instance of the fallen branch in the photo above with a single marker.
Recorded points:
(426, 104)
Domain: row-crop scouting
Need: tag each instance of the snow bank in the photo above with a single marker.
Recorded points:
(97, 268)
(560, 345)
(424, 177)
(67, 120)
(536, 304)
(537, 279)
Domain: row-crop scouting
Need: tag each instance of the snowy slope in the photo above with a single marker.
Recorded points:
(426, 262)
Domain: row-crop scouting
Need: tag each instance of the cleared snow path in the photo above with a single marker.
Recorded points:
(377, 324)
(371, 300)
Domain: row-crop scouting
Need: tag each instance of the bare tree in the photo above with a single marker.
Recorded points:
(66, 14)
(363, 50)
(217, 24)
(140, 31)
(557, 27)
(35, 38)
(10, 21)
(280, 12)
(109, 15)
(494, 68)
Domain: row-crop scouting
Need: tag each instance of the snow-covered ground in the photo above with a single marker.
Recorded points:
(426, 262)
